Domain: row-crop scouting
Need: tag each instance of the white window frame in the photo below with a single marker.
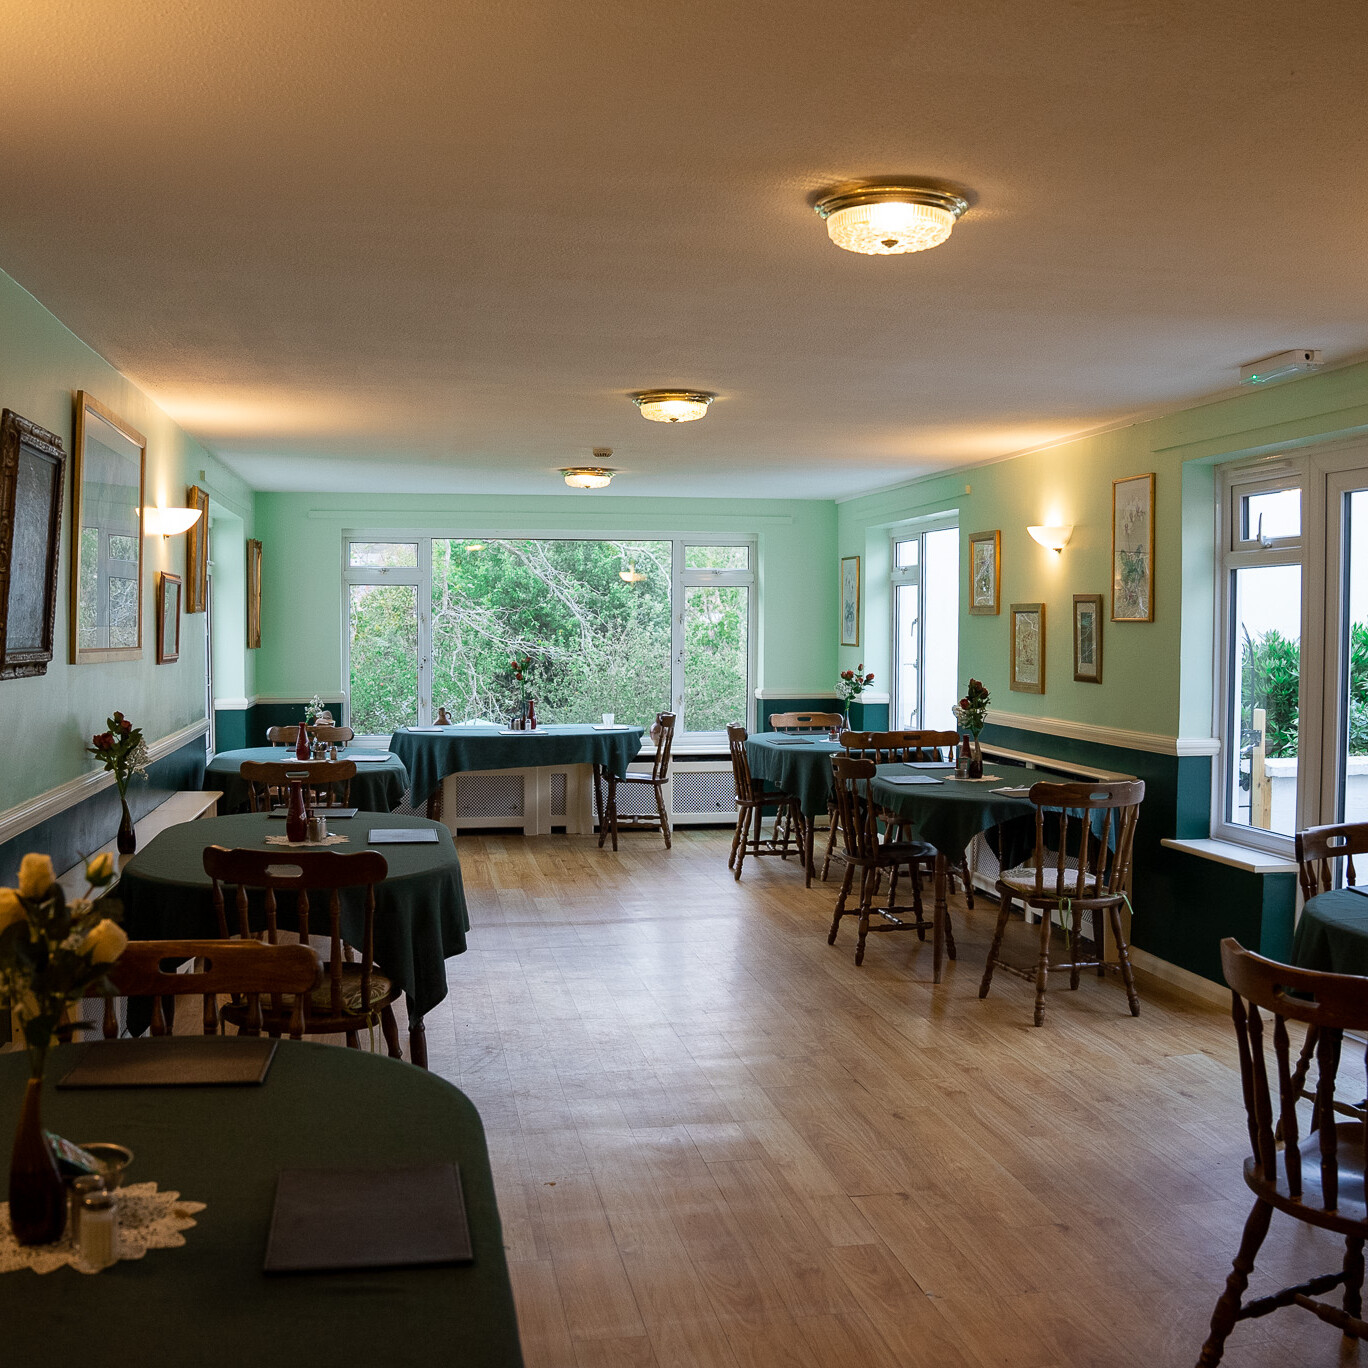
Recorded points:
(681, 579)
(911, 575)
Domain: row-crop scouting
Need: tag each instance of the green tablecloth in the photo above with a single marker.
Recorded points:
(950, 814)
(803, 770)
(1332, 933)
(420, 910)
(430, 756)
(376, 788)
(209, 1304)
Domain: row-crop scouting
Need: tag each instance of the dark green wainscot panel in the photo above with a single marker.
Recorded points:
(262, 716)
(231, 728)
(863, 716)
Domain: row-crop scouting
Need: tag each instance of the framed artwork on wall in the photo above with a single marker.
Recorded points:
(32, 478)
(106, 536)
(168, 618)
(1133, 549)
(985, 573)
(1028, 647)
(253, 594)
(1087, 638)
(850, 600)
(197, 552)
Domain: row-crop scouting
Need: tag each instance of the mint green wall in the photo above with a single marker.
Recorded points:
(1143, 687)
(48, 720)
(301, 535)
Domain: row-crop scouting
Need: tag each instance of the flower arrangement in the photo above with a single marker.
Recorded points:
(314, 709)
(122, 750)
(971, 712)
(853, 683)
(518, 671)
(52, 951)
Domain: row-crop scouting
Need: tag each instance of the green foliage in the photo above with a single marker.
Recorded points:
(1270, 676)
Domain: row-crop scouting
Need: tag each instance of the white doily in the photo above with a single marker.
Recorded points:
(148, 1219)
(332, 838)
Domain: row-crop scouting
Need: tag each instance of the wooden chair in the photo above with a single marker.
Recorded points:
(609, 820)
(321, 731)
(1318, 848)
(1093, 826)
(752, 801)
(859, 815)
(243, 969)
(329, 782)
(805, 721)
(353, 996)
(1327, 1192)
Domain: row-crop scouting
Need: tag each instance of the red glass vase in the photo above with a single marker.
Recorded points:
(127, 839)
(37, 1195)
(297, 814)
(302, 742)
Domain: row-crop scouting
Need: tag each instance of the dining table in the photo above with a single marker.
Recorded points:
(379, 785)
(421, 918)
(208, 1302)
(432, 753)
(801, 767)
(1332, 933)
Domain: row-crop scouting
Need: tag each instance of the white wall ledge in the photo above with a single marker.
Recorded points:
(1236, 856)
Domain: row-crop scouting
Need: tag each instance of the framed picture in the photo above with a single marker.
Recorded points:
(253, 594)
(168, 618)
(32, 478)
(1028, 647)
(850, 600)
(1087, 638)
(1133, 549)
(106, 536)
(197, 552)
(985, 573)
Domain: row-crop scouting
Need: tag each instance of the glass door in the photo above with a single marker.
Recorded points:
(1345, 785)
(925, 602)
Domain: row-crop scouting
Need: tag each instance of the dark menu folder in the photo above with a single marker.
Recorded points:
(367, 1218)
(172, 1062)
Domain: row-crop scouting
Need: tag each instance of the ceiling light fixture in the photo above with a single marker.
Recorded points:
(672, 406)
(884, 220)
(1054, 538)
(591, 477)
(169, 522)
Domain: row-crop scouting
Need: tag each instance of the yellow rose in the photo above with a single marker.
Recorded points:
(105, 942)
(35, 876)
(11, 909)
(100, 870)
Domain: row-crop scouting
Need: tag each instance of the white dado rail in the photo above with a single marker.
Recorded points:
(1156, 743)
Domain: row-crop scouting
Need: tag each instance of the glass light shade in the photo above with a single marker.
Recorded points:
(168, 522)
(672, 406)
(588, 477)
(1052, 538)
(632, 575)
(889, 228)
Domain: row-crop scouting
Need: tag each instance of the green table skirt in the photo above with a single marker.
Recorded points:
(378, 787)
(209, 1304)
(802, 769)
(420, 910)
(1332, 934)
(430, 756)
(950, 814)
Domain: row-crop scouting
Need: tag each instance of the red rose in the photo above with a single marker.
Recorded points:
(847, 674)
(869, 678)
(125, 726)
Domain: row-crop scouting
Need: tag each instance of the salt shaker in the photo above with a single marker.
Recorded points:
(78, 1189)
(99, 1232)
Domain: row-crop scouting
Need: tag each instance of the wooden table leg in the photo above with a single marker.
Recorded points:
(417, 1040)
(938, 917)
(809, 836)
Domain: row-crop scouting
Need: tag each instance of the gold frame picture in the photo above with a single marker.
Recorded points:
(253, 594)
(850, 601)
(985, 573)
(168, 616)
(1028, 648)
(1087, 638)
(1132, 594)
(197, 552)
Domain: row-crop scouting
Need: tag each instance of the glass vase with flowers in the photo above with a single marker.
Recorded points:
(971, 713)
(122, 750)
(518, 670)
(851, 685)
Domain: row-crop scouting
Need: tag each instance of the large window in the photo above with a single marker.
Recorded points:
(631, 627)
(925, 601)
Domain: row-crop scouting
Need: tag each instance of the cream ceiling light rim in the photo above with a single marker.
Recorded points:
(672, 405)
(588, 477)
(888, 220)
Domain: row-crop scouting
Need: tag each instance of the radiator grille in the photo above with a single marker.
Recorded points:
(636, 800)
(558, 794)
(490, 795)
(704, 791)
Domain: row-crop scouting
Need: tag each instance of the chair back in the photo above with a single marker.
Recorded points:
(328, 783)
(663, 736)
(242, 968)
(300, 872)
(804, 721)
(1318, 848)
(1094, 827)
(856, 811)
(284, 736)
(741, 774)
(898, 747)
(1329, 1005)
(332, 735)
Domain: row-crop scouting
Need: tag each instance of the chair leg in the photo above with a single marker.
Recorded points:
(390, 1028)
(968, 884)
(833, 826)
(1042, 967)
(736, 838)
(1228, 1308)
(664, 816)
(1004, 911)
(841, 902)
(917, 909)
(1123, 956)
(748, 815)
(1353, 1279)
(1075, 941)
(598, 806)
(353, 1040)
(869, 887)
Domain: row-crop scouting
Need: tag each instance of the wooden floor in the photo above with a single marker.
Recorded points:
(718, 1142)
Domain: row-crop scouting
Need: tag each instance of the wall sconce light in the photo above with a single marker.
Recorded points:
(1053, 538)
(169, 522)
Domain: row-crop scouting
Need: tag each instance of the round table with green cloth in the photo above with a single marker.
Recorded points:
(1332, 933)
(379, 786)
(431, 755)
(209, 1303)
(800, 765)
(420, 909)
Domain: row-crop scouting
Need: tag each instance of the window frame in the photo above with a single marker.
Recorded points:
(901, 578)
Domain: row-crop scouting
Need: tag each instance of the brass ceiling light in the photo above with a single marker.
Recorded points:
(672, 406)
(631, 575)
(885, 220)
(591, 477)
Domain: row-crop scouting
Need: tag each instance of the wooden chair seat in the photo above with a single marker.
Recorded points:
(350, 999)
(1022, 881)
(1348, 1215)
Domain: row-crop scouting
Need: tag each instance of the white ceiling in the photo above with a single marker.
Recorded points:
(428, 245)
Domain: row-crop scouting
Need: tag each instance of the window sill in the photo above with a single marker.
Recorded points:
(1236, 856)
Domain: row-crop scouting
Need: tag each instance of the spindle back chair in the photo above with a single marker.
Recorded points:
(752, 800)
(610, 821)
(326, 783)
(1320, 848)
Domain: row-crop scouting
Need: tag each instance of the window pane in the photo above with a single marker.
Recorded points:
(382, 555)
(940, 667)
(1353, 804)
(1266, 673)
(593, 616)
(905, 691)
(1274, 514)
(717, 557)
(384, 657)
(905, 553)
(716, 630)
